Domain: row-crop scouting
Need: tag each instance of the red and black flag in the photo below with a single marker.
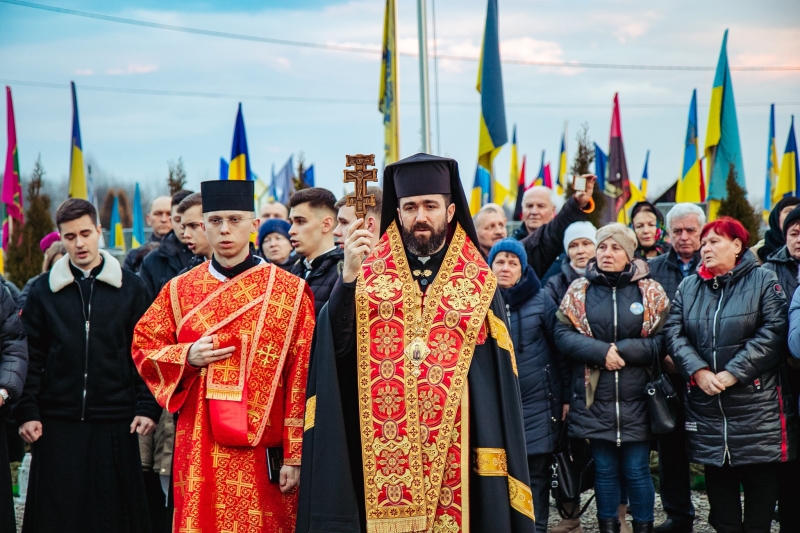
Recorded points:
(617, 187)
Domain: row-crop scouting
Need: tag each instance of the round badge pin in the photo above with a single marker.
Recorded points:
(637, 308)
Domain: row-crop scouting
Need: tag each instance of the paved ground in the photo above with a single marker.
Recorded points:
(589, 522)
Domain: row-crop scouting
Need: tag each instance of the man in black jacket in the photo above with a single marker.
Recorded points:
(542, 232)
(172, 255)
(159, 218)
(13, 368)
(684, 223)
(313, 220)
(83, 402)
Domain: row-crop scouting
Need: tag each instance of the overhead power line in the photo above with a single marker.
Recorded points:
(357, 101)
(376, 50)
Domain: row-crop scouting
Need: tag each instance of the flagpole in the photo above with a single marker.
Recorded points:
(423, 76)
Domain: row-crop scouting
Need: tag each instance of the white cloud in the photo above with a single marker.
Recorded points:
(83, 72)
(132, 69)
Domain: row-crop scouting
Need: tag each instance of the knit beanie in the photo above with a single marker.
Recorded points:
(580, 230)
(273, 225)
(48, 240)
(511, 246)
(621, 234)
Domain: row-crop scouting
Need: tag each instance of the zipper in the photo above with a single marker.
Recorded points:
(87, 327)
(714, 355)
(616, 372)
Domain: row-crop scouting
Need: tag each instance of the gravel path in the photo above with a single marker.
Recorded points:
(589, 522)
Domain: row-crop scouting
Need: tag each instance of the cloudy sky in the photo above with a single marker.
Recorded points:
(324, 103)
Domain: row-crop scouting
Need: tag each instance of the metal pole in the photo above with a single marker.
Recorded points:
(423, 76)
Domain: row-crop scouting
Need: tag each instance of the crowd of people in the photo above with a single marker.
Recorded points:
(448, 358)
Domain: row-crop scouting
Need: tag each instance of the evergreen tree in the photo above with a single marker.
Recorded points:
(105, 209)
(176, 180)
(300, 180)
(736, 206)
(24, 257)
(584, 157)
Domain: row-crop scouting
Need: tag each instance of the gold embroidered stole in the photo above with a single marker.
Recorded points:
(413, 361)
(254, 312)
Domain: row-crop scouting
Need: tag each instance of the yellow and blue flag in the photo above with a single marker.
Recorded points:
(690, 186)
(388, 98)
(493, 134)
(562, 164)
(638, 194)
(239, 168)
(223, 169)
(645, 176)
(481, 190)
(117, 235)
(789, 172)
(780, 187)
(600, 166)
(722, 146)
(137, 235)
(538, 181)
(77, 176)
(513, 179)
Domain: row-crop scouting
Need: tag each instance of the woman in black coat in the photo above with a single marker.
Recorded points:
(726, 333)
(608, 323)
(543, 378)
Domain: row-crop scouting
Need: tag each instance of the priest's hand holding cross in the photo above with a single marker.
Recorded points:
(357, 246)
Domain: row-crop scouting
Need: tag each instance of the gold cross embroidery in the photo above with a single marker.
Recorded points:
(217, 454)
(259, 514)
(194, 478)
(204, 282)
(255, 403)
(227, 368)
(189, 526)
(204, 318)
(269, 355)
(282, 306)
(181, 484)
(244, 290)
(239, 484)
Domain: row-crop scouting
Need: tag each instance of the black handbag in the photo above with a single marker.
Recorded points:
(572, 474)
(662, 402)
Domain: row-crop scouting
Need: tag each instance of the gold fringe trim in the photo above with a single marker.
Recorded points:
(229, 395)
(397, 525)
(311, 411)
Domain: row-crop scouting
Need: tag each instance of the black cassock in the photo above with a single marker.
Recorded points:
(331, 478)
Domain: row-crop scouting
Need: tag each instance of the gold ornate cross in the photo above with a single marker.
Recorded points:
(360, 199)
(239, 484)
(269, 355)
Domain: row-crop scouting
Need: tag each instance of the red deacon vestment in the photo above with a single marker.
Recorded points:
(232, 410)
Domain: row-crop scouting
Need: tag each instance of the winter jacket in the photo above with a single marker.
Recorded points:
(619, 411)
(543, 377)
(164, 263)
(12, 289)
(546, 242)
(785, 267)
(322, 276)
(79, 342)
(665, 270)
(556, 287)
(133, 255)
(13, 351)
(735, 322)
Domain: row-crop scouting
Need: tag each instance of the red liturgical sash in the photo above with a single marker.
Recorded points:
(235, 314)
(413, 359)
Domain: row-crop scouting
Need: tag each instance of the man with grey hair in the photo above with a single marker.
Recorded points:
(542, 232)
(490, 225)
(685, 221)
(159, 218)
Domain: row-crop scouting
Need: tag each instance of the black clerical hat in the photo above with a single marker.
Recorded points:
(227, 195)
(424, 174)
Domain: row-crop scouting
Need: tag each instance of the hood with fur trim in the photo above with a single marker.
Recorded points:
(61, 276)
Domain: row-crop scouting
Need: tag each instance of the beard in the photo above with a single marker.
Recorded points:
(424, 246)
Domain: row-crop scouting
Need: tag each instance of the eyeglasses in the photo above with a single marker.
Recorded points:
(216, 222)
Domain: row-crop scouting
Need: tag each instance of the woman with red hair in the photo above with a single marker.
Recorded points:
(726, 332)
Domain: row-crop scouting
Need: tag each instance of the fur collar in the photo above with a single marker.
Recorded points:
(61, 275)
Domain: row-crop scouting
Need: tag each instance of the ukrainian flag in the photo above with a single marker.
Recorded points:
(690, 184)
(137, 236)
(481, 190)
(722, 145)
(389, 85)
(493, 134)
(77, 177)
(239, 168)
(562, 164)
(117, 235)
(538, 181)
(789, 170)
(638, 194)
(513, 179)
(645, 176)
(780, 187)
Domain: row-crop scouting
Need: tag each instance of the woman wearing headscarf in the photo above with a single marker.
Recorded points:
(647, 222)
(543, 378)
(726, 334)
(608, 321)
(774, 238)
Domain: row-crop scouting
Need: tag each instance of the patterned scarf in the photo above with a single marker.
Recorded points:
(573, 309)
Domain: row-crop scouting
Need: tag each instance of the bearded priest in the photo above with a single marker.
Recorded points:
(226, 345)
(413, 420)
